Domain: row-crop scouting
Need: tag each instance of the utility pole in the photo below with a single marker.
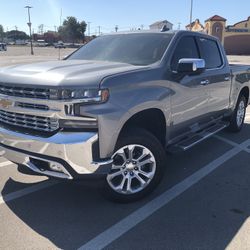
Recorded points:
(29, 24)
(99, 30)
(179, 26)
(89, 28)
(15, 33)
(191, 14)
(61, 18)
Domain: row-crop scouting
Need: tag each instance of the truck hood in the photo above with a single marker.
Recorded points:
(66, 73)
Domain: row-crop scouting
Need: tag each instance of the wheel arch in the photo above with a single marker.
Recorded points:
(152, 120)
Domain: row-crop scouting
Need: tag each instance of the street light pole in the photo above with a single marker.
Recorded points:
(29, 24)
(191, 14)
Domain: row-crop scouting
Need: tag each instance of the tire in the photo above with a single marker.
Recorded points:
(138, 166)
(238, 116)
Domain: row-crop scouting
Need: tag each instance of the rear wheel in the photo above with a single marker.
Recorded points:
(137, 168)
(238, 116)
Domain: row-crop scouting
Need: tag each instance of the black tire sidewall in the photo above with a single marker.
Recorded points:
(233, 121)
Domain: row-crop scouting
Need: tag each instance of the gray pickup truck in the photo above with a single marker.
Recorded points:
(114, 107)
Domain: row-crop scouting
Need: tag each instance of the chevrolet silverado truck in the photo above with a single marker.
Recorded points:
(114, 107)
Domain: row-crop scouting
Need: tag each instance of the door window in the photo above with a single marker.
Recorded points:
(186, 48)
(210, 53)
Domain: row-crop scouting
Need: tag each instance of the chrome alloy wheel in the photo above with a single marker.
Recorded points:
(240, 113)
(133, 169)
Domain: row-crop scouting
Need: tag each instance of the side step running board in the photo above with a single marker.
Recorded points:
(196, 137)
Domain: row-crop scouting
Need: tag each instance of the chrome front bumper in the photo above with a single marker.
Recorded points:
(69, 152)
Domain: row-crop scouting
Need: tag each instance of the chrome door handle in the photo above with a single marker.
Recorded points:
(227, 78)
(205, 82)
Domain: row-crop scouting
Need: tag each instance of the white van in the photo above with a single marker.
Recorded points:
(41, 43)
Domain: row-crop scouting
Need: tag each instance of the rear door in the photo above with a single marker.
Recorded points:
(217, 76)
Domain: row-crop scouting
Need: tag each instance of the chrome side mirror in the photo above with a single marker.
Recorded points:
(191, 65)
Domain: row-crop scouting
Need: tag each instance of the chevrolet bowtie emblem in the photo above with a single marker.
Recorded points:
(5, 103)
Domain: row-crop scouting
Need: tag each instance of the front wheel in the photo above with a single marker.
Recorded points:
(238, 116)
(138, 165)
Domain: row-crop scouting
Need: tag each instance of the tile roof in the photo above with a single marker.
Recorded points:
(216, 18)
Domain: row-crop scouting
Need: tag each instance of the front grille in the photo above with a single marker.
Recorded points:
(32, 106)
(25, 92)
(39, 123)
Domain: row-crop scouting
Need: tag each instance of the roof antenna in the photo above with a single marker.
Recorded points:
(164, 28)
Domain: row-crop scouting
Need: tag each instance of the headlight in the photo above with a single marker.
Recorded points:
(83, 95)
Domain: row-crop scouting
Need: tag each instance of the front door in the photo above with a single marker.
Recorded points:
(190, 95)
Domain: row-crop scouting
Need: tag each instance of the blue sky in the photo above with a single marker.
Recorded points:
(126, 14)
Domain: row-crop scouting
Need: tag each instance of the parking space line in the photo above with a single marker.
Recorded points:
(6, 163)
(20, 193)
(243, 146)
(114, 232)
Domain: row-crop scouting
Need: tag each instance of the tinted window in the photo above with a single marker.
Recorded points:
(210, 53)
(186, 48)
(137, 49)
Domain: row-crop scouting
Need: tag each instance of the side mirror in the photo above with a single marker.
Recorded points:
(191, 65)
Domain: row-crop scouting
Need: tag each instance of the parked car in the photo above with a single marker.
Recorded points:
(3, 46)
(74, 45)
(11, 43)
(60, 45)
(40, 43)
(115, 106)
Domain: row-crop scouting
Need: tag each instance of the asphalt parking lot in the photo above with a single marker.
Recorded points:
(21, 54)
(203, 201)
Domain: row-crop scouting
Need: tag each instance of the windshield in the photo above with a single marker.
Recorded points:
(136, 49)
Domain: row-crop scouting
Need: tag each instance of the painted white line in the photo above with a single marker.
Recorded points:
(234, 144)
(20, 193)
(6, 163)
(114, 232)
(242, 146)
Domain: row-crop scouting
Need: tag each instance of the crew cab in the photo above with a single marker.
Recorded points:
(114, 107)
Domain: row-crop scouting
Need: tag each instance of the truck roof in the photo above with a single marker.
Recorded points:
(163, 32)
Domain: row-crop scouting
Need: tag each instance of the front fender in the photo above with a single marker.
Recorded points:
(126, 104)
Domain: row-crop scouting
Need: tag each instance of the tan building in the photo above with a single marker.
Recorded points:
(235, 38)
(195, 26)
(158, 25)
